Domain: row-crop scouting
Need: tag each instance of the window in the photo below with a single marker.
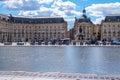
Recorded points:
(14, 27)
(118, 26)
(109, 32)
(22, 30)
(113, 26)
(58, 33)
(18, 27)
(58, 26)
(63, 27)
(18, 30)
(14, 31)
(26, 27)
(104, 26)
(22, 27)
(104, 30)
(39, 29)
(63, 35)
(35, 27)
(63, 31)
(118, 20)
(119, 32)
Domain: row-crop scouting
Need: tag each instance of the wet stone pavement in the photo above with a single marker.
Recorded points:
(22, 75)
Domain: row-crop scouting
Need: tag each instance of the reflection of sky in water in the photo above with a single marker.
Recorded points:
(95, 60)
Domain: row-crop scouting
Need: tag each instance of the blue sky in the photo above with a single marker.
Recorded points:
(69, 9)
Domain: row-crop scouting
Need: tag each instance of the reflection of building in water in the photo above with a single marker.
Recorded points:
(16, 28)
(84, 28)
(110, 28)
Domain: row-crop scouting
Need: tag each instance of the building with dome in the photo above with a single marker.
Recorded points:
(84, 29)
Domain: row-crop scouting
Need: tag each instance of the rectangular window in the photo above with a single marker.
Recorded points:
(113, 26)
(63, 27)
(59, 27)
(104, 26)
(35, 27)
(14, 27)
(119, 26)
(18, 27)
(22, 27)
(26, 27)
(104, 30)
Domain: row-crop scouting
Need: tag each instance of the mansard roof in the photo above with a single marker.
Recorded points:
(84, 18)
(37, 20)
(80, 20)
(112, 18)
(23, 19)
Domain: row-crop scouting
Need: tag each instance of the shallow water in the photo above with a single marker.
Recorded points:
(73, 59)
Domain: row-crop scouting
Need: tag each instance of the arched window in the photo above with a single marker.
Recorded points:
(80, 30)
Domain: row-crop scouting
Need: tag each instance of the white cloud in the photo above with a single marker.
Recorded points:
(38, 7)
(13, 4)
(98, 20)
(66, 9)
(45, 1)
(101, 10)
(104, 9)
(23, 4)
(59, 4)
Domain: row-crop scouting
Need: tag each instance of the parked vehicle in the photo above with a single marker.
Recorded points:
(88, 43)
(20, 43)
(97, 43)
(7, 43)
(49, 43)
(74, 43)
(93, 41)
(115, 42)
(104, 43)
(32, 43)
(81, 43)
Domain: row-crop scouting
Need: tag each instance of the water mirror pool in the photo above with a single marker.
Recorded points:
(70, 59)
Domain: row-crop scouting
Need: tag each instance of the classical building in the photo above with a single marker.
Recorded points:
(97, 32)
(110, 29)
(84, 29)
(19, 28)
(71, 32)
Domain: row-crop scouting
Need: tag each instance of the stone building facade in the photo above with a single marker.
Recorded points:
(84, 29)
(19, 28)
(110, 29)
